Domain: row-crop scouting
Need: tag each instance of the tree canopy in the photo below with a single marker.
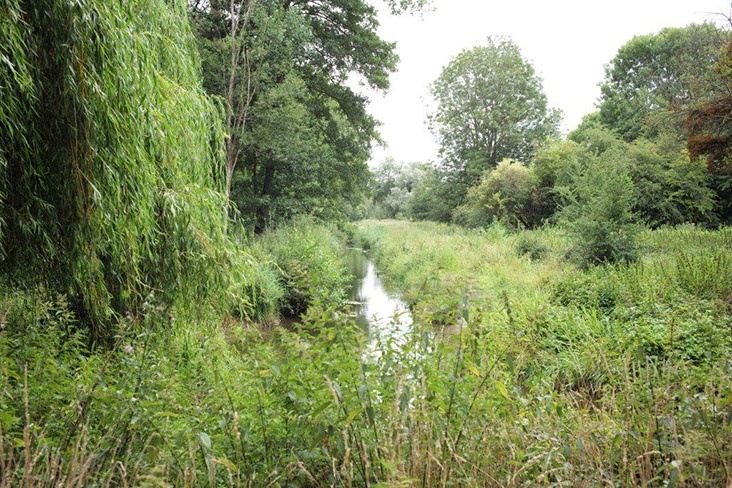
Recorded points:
(675, 86)
(665, 71)
(299, 134)
(490, 106)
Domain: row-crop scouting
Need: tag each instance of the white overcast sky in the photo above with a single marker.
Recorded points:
(568, 41)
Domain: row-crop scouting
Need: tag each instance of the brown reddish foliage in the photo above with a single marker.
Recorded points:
(709, 126)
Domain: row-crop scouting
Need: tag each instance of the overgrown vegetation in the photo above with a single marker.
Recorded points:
(612, 375)
(185, 394)
(518, 371)
(309, 264)
(169, 316)
(662, 113)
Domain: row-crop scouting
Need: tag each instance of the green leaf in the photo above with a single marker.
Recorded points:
(473, 369)
(502, 389)
(352, 416)
(204, 440)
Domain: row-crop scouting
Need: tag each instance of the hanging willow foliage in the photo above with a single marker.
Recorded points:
(111, 156)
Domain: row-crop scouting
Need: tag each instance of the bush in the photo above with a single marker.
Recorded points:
(670, 189)
(551, 167)
(531, 246)
(599, 216)
(587, 291)
(258, 292)
(434, 197)
(308, 259)
(40, 338)
(505, 194)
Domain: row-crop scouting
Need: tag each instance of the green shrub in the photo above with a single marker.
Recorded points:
(258, 292)
(308, 257)
(551, 168)
(587, 291)
(531, 246)
(434, 197)
(599, 216)
(706, 275)
(505, 194)
(670, 189)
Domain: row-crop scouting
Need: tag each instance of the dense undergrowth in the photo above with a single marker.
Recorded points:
(147, 340)
(520, 371)
(617, 374)
(160, 406)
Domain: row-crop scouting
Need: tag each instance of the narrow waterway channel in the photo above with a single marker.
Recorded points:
(382, 314)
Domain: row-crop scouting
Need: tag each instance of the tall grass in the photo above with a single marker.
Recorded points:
(475, 408)
(519, 372)
(627, 354)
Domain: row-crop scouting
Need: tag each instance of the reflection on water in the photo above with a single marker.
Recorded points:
(380, 313)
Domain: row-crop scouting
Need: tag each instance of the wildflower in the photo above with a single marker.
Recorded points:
(128, 348)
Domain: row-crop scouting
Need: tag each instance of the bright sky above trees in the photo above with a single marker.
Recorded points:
(568, 42)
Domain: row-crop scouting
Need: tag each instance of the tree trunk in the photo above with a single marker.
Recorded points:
(262, 207)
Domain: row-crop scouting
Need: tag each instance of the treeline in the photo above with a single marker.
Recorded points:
(298, 135)
(655, 153)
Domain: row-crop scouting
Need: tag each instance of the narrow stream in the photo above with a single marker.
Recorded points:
(380, 313)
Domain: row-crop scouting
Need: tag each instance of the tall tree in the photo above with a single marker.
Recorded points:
(283, 66)
(110, 168)
(658, 73)
(491, 106)
(393, 186)
(709, 133)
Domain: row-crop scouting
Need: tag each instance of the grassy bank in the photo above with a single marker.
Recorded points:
(545, 374)
(201, 394)
(615, 375)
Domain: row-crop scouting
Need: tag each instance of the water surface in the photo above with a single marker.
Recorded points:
(381, 313)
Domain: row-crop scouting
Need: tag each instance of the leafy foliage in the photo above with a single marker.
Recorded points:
(491, 106)
(300, 136)
(669, 188)
(552, 168)
(394, 187)
(308, 257)
(598, 214)
(532, 247)
(113, 154)
(435, 196)
(527, 366)
(506, 195)
(709, 134)
(658, 72)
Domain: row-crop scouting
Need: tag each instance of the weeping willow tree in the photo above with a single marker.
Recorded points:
(111, 156)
